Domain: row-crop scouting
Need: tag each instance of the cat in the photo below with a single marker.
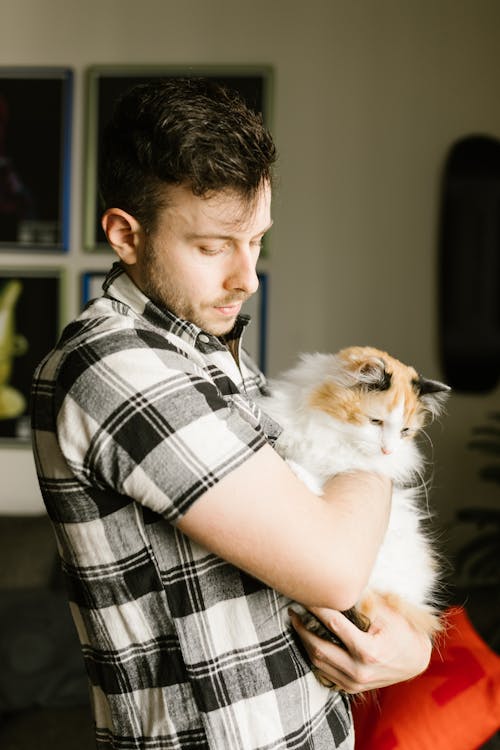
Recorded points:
(361, 409)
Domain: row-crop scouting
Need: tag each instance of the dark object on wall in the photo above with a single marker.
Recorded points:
(30, 313)
(35, 150)
(469, 272)
(106, 83)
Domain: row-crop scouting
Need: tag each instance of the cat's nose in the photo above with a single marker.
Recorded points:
(386, 451)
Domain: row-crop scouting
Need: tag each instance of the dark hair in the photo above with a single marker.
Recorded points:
(181, 131)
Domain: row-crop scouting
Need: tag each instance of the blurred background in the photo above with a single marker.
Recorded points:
(368, 97)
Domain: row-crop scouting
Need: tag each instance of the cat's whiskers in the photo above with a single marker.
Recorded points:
(424, 486)
(425, 434)
(426, 482)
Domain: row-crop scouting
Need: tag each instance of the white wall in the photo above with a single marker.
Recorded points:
(369, 95)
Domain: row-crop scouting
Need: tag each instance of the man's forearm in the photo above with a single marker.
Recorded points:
(361, 503)
(316, 550)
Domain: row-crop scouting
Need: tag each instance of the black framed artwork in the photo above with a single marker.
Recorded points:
(91, 285)
(35, 147)
(107, 83)
(30, 317)
(255, 339)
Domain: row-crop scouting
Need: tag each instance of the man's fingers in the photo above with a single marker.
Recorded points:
(322, 653)
(332, 662)
(350, 635)
(392, 650)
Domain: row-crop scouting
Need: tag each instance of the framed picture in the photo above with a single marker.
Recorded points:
(255, 340)
(30, 317)
(91, 285)
(35, 145)
(255, 334)
(107, 83)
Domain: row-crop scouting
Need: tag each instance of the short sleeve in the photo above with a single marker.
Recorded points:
(148, 423)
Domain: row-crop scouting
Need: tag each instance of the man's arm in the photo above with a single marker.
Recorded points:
(146, 422)
(316, 550)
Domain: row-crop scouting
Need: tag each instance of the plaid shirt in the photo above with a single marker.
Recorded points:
(136, 413)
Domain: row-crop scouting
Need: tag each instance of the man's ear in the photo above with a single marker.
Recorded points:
(124, 234)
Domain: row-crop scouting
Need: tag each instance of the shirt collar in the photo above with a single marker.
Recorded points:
(118, 285)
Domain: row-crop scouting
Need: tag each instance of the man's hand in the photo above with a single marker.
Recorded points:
(390, 651)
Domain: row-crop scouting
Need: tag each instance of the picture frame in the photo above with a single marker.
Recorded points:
(255, 339)
(26, 336)
(107, 82)
(35, 155)
(91, 285)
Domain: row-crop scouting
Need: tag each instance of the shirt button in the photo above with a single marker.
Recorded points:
(203, 338)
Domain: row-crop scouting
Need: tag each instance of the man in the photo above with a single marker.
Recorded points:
(182, 534)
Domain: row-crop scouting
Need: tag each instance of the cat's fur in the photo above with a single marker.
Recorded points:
(361, 409)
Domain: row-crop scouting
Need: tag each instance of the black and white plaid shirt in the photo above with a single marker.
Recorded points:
(136, 413)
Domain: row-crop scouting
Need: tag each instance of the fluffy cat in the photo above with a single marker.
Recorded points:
(361, 409)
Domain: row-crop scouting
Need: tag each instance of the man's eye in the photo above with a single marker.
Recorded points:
(211, 250)
(378, 422)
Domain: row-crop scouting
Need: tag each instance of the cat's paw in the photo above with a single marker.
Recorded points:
(314, 625)
(358, 618)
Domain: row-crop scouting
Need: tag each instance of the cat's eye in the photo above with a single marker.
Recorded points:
(378, 422)
(405, 431)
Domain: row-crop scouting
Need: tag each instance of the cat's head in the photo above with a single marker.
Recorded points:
(385, 401)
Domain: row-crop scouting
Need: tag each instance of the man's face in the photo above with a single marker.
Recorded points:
(200, 261)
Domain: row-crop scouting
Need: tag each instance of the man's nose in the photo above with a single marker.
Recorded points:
(242, 275)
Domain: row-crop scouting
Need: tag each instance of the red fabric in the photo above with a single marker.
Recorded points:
(453, 705)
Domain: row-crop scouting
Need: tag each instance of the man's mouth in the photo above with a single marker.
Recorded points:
(232, 309)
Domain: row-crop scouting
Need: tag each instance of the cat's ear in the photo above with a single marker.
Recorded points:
(431, 393)
(425, 386)
(372, 374)
(365, 367)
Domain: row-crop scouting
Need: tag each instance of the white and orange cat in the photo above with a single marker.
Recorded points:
(361, 409)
